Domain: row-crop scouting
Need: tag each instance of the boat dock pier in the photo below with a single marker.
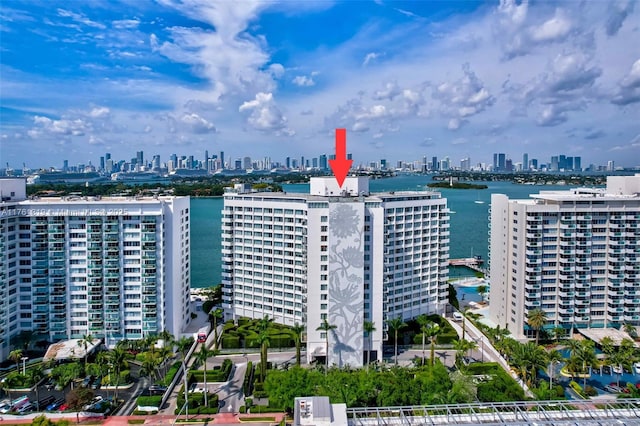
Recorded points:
(474, 263)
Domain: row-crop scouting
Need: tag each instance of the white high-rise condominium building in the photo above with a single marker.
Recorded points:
(574, 254)
(339, 254)
(116, 268)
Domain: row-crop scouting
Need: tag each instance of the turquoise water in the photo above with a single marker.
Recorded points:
(469, 224)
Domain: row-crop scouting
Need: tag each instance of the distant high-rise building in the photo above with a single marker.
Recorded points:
(534, 163)
(562, 162)
(246, 163)
(323, 162)
(107, 156)
(465, 164)
(314, 162)
(65, 165)
(383, 164)
(508, 165)
(611, 166)
(525, 162)
(140, 158)
(287, 162)
(577, 164)
(555, 164)
(502, 162)
(238, 164)
(434, 163)
(101, 163)
(222, 160)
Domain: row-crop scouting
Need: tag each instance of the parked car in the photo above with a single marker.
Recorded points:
(617, 369)
(87, 381)
(25, 408)
(157, 390)
(5, 406)
(63, 407)
(55, 405)
(50, 384)
(606, 369)
(636, 367)
(613, 388)
(457, 316)
(44, 402)
(96, 383)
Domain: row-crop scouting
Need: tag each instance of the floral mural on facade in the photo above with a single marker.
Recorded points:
(346, 283)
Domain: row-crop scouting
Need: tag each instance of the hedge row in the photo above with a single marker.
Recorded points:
(218, 374)
(171, 373)
(196, 400)
(149, 401)
(246, 386)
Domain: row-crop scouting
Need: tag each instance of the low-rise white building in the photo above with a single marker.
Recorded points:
(340, 254)
(574, 254)
(112, 267)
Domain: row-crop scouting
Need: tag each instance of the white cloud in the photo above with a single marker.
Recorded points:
(99, 112)
(303, 81)
(370, 57)
(77, 127)
(125, 23)
(554, 29)
(229, 57)
(80, 18)
(462, 98)
(197, 124)
(628, 90)
(265, 115)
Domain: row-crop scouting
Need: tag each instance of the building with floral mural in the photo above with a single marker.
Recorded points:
(341, 254)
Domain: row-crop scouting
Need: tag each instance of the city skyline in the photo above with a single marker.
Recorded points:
(406, 79)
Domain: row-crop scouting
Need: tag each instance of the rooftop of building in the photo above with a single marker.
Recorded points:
(619, 188)
(326, 189)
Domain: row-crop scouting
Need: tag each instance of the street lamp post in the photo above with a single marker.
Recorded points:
(24, 365)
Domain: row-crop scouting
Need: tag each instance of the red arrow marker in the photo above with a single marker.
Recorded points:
(340, 166)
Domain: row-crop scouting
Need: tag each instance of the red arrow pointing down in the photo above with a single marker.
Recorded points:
(340, 166)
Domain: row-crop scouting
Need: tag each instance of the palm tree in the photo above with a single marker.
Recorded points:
(462, 347)
(369, 327)
(298, 329)
(264, 340)
(326, 328)
(553, 357)
(84, 343)
(214, 316)
(35, 375)
(536, 319)
(482, 290)
(558, 333)
(183, 347)
(422, 321)
(630, 329)
(16, 356)
(202, 357)
(149, 367)
(149, 342)
(432, 330)
(528, 359)
(119, 361)
(396, 324)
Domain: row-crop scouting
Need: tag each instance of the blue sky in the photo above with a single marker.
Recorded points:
(407, 79)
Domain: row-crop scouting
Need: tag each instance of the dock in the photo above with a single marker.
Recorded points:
(474, 263)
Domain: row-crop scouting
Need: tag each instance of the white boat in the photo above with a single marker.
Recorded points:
(636, 367)
(479, 202)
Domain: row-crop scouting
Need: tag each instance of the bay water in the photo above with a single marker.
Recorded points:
(469, 226)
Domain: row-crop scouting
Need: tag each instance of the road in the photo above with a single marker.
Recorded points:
(230, 393)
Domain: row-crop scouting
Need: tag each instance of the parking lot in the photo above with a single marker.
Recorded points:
(47, 398)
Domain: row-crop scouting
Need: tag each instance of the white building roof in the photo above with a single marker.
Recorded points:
(69, 349)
